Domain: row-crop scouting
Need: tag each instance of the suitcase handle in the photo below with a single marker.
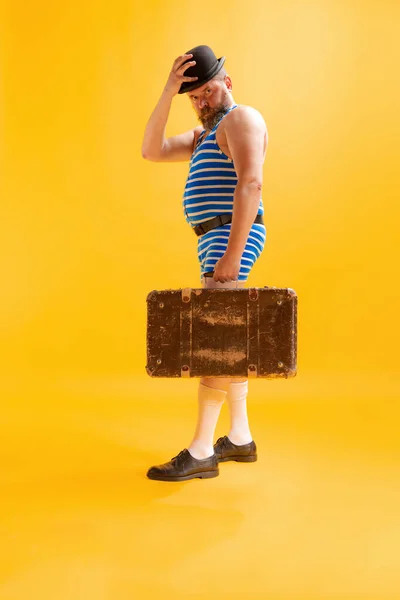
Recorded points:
(211, 274)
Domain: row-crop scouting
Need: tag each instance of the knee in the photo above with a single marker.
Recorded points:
(220, 383)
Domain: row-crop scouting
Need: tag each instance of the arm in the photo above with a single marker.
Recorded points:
(156, 147)
(154, 139)
(245, 132)
(180, 147)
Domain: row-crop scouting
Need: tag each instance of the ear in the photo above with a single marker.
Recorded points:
(228, 82)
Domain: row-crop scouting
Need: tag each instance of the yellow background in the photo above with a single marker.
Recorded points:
(88, 228)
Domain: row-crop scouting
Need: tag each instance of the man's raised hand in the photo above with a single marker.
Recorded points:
(177, 75)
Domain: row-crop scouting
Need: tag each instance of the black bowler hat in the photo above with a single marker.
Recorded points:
(206, 67)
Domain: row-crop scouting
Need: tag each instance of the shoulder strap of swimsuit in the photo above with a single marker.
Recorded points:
(200, 137)
(227, 112)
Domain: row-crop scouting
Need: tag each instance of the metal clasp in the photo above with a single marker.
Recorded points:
(186, 293)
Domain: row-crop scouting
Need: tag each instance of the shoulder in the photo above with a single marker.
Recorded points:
(244, 115)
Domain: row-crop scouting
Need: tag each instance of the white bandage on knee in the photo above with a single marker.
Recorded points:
(239, 432)
(210, 401)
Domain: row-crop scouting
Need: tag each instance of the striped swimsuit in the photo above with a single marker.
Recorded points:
(209, 191)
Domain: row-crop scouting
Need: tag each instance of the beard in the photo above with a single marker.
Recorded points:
(210, 116)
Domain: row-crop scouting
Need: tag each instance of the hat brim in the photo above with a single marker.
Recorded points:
(188, 87)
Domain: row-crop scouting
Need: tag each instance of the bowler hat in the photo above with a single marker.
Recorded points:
(206, 67)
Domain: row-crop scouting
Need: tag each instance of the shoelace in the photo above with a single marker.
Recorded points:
(221, 439)
(181, 453)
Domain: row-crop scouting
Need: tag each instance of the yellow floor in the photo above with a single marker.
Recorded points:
(317, 517)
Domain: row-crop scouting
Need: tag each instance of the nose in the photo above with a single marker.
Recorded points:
(202, 103)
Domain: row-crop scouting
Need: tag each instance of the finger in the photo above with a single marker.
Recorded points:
(182, 59)
(185, 66)
(190, 78)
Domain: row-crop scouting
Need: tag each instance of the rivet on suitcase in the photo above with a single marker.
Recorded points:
(221, 332)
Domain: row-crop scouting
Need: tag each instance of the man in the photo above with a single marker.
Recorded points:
(226, 155)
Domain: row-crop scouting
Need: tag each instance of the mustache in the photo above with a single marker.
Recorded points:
(218, 110)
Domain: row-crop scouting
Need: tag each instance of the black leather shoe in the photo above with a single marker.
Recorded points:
(227, 450)
(183, 467)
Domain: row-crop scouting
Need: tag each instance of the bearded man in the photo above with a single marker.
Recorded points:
(223, 205)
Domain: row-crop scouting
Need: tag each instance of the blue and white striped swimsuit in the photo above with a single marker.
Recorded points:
(209, 191)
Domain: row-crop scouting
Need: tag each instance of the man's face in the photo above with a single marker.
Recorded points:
(211, 101)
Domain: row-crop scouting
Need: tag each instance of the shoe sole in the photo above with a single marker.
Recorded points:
(251, 458)
(203, 475)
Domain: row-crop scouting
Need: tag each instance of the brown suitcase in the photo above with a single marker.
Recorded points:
(222, 332)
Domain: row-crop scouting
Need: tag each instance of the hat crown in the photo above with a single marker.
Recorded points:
(206, 67)
(205, 61)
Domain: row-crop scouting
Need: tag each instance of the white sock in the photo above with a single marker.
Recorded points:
(210, 401)
(239, 433)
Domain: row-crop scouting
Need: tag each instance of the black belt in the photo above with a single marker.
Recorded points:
(203, 228)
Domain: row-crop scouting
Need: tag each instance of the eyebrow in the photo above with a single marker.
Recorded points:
(191, 95)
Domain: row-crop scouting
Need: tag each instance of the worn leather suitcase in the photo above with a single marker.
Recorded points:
(205, 332)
